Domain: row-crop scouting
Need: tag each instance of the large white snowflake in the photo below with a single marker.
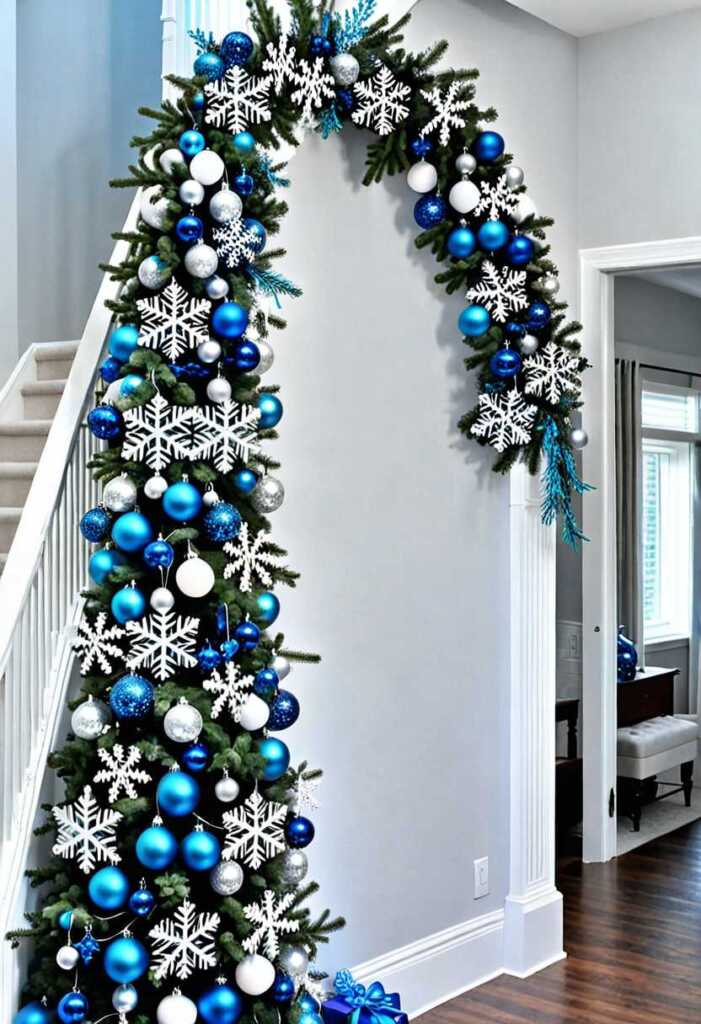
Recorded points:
(552, 372)
(496, 199)
(268, 916)
(237, 100)
(95, 644)
(503, 291)
(158, 433)
(448, 111)
(226, 432)
(314, 85)
(235, 243)
(184, 943)
(254, 830)
(382, 103)
(504, 419)
(232, 690)
(250, 559)
(280, 62)
(161, 641)
(173, 321)
(86, 831)
(120, 771)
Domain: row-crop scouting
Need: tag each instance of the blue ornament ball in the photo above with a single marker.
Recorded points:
(208, 657)
(125, 960)
(131, 697)
(284, 711)
(123, 341)
(132, 531)
(283, 989)
(246, 355)
(256, 229)
(421, 147)
(95, 524)
(229, 320)
(105, 422)
(65, 919)
(200, 850)
(159, 554)
(236, 48)
(537, 316)
(209, 65)
(244, 184)
(109, 888)
(222, 522)
(189, 228)
(345, 99)
(142, 902)
(229, 649)
(72, 1008)
(191, 142)
(474, 321)
(248, 635)
(33, 1013)
(461, 242)
(244, 143)
(505, 363)
(265, 683)
(182, 502)
(128, 604)
(307, 1003)
(299, 832)
(268, 607)
(178, 794)
(110, 369)
(130, 384)
(276, 755)
(244, 481)
(195, 757)
(221, 1004)
(156, 848)
(270, 408)
(311, 1018)
(513, 331)
(430, 210)
(488, 146)
(197, 100)
(519, 251)
(493, 235)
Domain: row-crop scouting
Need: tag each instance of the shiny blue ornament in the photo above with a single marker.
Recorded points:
(123, 341)
(189, 228)
(246, 355)
(95, 524)
(283, 989)
(248, 635)
(268, 607)
(244, 184)
(131, 697)
(245, 480)
(229, 320)
(156, 848)
(299, 832)
(430, 210)
(128, 604)
(519, 251)
(265, 683)
(65, 919)
(220, 1005)
(110, 369)
(311, 1018)
(284, 711)
(320, 46)
(125, 960)
(200, 850)
(505, 363)
(537, 316)
(345, 99)
(221, 619)
(132, 531)
(191, 142)
(257, 231)
(197, 100)
(88, 947)
(72, 1008)
(109, 888)
(159, 554)
(195, 757)
(208, 657)
(105, 422)
(513, 331)
(209, 65)
(236, 48)
(474, 321)
(103, 562)
(461, 242)
(222, 522)
(421, 147)
(229, 649)
(33, 1013)
(276, 755)
(493, 235)
(244, 143)
(130, 384)
(488, 146)
(307, 1003)
(270, 408)
(182, 502)
(178, 794)
(142, 902)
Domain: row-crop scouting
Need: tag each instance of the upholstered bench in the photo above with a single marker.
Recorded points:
(654, 746)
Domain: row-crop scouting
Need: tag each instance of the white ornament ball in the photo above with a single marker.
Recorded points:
(281, 666)
(209, 351)
(67, 957)
(162, 599)
(191, 192)
(579, 438)
(528, 344)
(201, 260)
(293, 960)
(344, 68)
(294, 866)
(225, 205)
(170, 158)
(182, 723)
(217, 288)
(176, 1009)
(153, 272)
(464, 196)
(207, 167)
(154, 208)
(226, 877)
(210, 498)
(119, 495)
(113, 392)
(514, 176)
(254, 975)
(268, 494)
(155, 487)
(150, 158)
(227, 789)
(219, 390)
(524, 209)
(267, 356)
(125, 998)
(549, 285)
(422, 177)
(465, 163)
(89, 720)
(254, 714)
(195, 577)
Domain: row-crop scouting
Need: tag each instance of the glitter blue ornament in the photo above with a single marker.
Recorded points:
(505, 363)
(208, 657)
(268, 608)
(34, 1013)
(132, 531)
(474, 321)
(128, 604)
(108, 888)
(299, 832)
(429, 211)
(270, 408)
(284, 711)
(65, 919)
(105, 422)
(110, 369)
(177, 794)
(276, 755)
(519, 251)
(245, 480)
(244, 184)
(197, 100)
(257, 234)
(125, 960)
(229, 320)
(123, 341)
(130, 384)
(88, 947)
(156, 848)
(191, 142)
(488, 146)
(248, 635)
(265, 683)
(283, 989)
(209, 65)
(195, 757)
(421, 147)
(537, 316)
(244, 143)
(131, 697)
(221, 1004)
(182, 502)
(72, 1008)
(493, 235)
(189, 228)
(222, 522)
(142, 902)
(159, 554)
(95, 524)
(246, 355)
(200, 850)
(229, 649)
(461, 242)
(236, 48)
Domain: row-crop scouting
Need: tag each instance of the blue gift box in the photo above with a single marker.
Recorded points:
(353, 1003)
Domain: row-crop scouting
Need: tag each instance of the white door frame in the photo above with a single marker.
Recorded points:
(599, 623)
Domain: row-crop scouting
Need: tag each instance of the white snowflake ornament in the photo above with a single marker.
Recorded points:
(249, 559)
(232, 690)
(235, 243)
(303, 796)
(120, 771)
(184, 943)
(237, 100)
(158, 433)
(172, 321)
(268, 916)
(86, 832)
(502, 292)
(280, 62)
(162, 641)
(496, 199)
(95, 644)
(313, 86)
(551, 373)
(382, 102)
(225, 433)
(448, 110)
(504, 419)
(254, 831)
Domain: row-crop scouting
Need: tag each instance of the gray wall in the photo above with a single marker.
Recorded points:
(8, 191)
(654, 317)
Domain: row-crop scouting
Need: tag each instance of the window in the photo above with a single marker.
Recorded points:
(670, 408)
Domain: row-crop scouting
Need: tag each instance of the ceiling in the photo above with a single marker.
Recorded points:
(681, 279)
(584, 17)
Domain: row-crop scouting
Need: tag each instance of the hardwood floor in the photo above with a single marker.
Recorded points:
(633, 937)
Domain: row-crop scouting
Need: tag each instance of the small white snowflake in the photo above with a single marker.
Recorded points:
(503, 292)
(552, 372)
(269, 917)
(225, 433)
(158, 433)
(235, 243)
(496, 199)
(254, 830)
(86, 831)
(448, 110)
(173, 321)
(382, 105)
(184, 943)
(120, 771)
(303, 796)
(162, 641)
(314, 85)
(95, 644)
(250, 559)
(232, 690)
(504, 419)
(280, 62)
(237, 100)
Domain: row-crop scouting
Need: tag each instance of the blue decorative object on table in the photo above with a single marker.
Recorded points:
(626, 657)
(123, 341)
(474, 321)
(105, 422)
(131, 697)
(488, 146)
(429, 211)
(353, 1003)
(222, 522)
(209, 65)
(95, 524)
(236, 48)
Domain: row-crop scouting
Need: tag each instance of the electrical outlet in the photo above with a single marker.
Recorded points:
(573, 645)
(481, 867)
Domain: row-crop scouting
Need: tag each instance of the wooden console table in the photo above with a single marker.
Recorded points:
(649, 695)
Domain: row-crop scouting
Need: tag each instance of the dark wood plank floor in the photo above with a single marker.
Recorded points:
(633, 937)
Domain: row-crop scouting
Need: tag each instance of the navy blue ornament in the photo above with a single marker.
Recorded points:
(105, 422)
(132, 532)
(178, 794)
(87, 948)
(191, 142)
(283, 989)
(244, 143)
(195, 757)
(474, 321)
(505, 363)
(307, 1003)
(221, 1004)
(519, 251)
(421, 147)
(131, 697)
(493, 235)
(488, 146)
(209, 65)
(268, 607)
(142, 902)
(229, 320)
(72, 1008)
(156, 848)
(319, 46)
(95, 524)
(159, 554)
(200, 850)
(256, 233)
(430, 210)
(182, 502)
(244, 184)
(34, 1013)
(513, 331)
(537, 316)
(222, 522)
(248, 635)
(123, 341)
(197, 100)
(299, 832)
(244, 481)
(270, 408)
(108, 888)
(276, 755)
(229, 649)
(345, 99)
(110, 369)
(208, 657)
(128, 604)
(461, 242)
(265, 683)
(236, 48)
(125, 960)
(246, 355)
(284, 711)
(189, 228)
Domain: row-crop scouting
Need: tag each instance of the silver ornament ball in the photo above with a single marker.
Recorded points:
(294, 866)
(528, 344)
(465, 163)
(579, 438)
(155, 487)
(225, 205)
(182, 723)
(226, 878)
(176, 1009)
(162, 599)
(191, 192)
(67, 957)
(171, 158)
(227, 789)
(268, 494)
(219, 390)
(549, 285)
(267, 356)
(154, 208)
(125, 998)
(119, 495)
(293, 960)
(208, 351)
(210, 498)
(514, 176)
(217, 288)
(345, 69)
(201, 260)
(281, 666)
(153, 272)
(89, 720)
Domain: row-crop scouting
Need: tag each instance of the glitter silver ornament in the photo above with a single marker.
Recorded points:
(210, 497)
(208, 351)
(191, 192)
(226, 877)
(225, 205)
(125, 998)
(170, 158)
(207, 167)
(549, 285)
(153, 272)
(153, 207)
(182, 723)
(90, 719)
(217, 288)
(465, 163)
(281, 666)
(294, 866)
(579, 438)
(227, 789)
(267, 356)
(267, 495)
(162, 599)
(67, 957)
(344, 68)
(155, 487)
(219, 390)
(293, 960)
(514, 176)
(201, 260)
(119, 495)
(528, 344)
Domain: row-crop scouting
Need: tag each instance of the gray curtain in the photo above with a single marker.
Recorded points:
(629, 490)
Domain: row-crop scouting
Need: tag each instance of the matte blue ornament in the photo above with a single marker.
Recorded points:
(307, 1003)
(109, 888)
(283, 989)
(276, 755)
(474, 321)
(461, 242)
(268, 607)
(105, 422)
(125, 960)
(493, 235)
(182, 502)
(229, 649)
(178, 794)
(209, 65)
(537, 316)
(488, 146)
(110, 369)
(246, 355)
(430, 210)
(72, 1008)
(131, 697)
(421, 147)
(142, 902)
(65, 919)
(284, 711)
(236, 48)
(505, 363)
(156, 848)
(244, 184)
(229, 320)
(189, 228)
(88, 947)
(513, 331)
(128, 604)
(221, 1004)
(265, 683)
(191, 142)
(248, 635)
(208, 657)
(244, 143)
(200, 850)
(299, 832)
(159, 554)
(519, 251)
(132, 531)
(130, 384)
(270, 408)
(195, 757)
(197, 100)
(255, 229)
(95, 524)
(245, 480)
(222, 522)
(34, 1013)
(123, 341)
